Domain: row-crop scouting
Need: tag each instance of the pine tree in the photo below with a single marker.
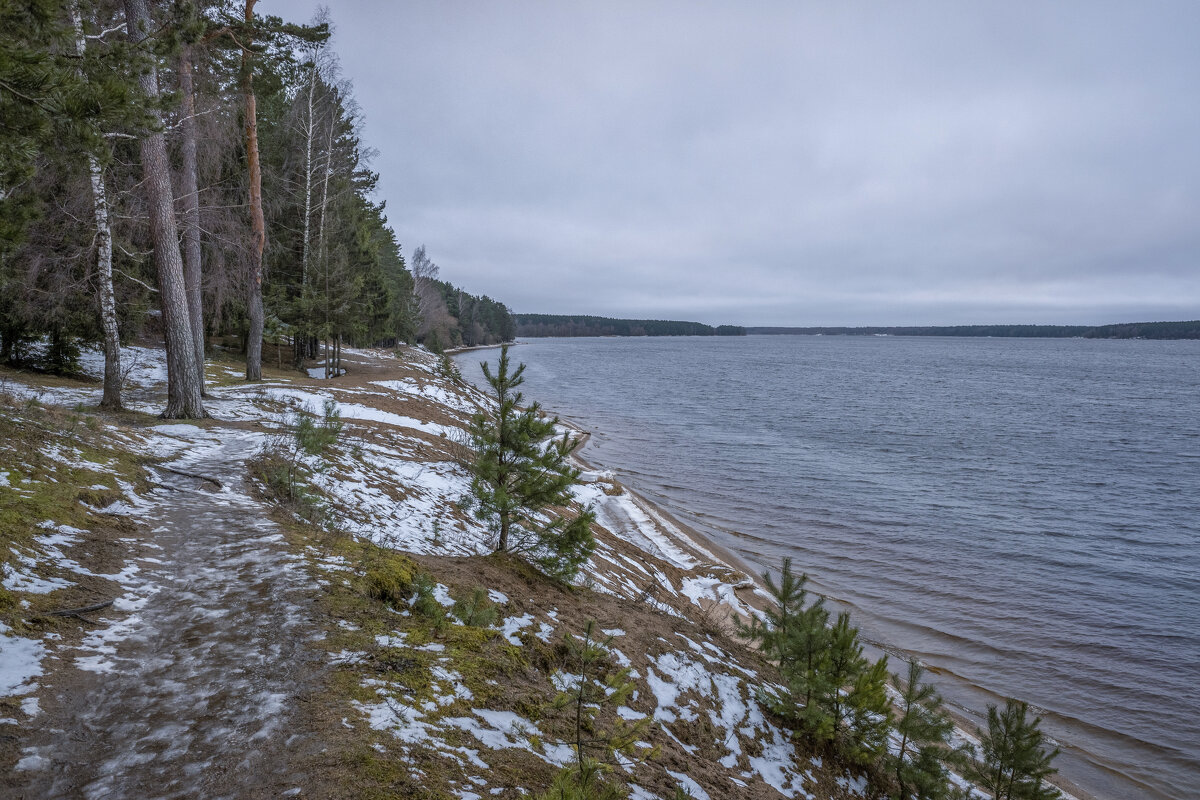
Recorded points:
(808, 678)
(589, 691)
(39, 90)
(843, 664)
(774, 631)
(796, 638)
(870, 714)
(183, 387)
(924, 728)
(522, 479)
(1015, 762)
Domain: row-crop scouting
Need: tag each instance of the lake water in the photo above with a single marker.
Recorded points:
(1021, 514)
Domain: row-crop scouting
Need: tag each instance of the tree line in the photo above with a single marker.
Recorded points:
(1127, 330)
(544, 325)
(450, 317)
(196, 170)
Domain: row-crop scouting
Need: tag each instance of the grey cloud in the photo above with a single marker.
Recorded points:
(785, 163)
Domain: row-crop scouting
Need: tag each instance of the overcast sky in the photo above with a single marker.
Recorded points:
(802, 163)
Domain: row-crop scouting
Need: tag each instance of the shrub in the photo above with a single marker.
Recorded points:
(474, 608)
(290, 458)
(596, 687)
(425, 603)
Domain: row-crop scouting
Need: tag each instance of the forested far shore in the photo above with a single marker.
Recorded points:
(1124, 330)
(196, 172)
(564, 325)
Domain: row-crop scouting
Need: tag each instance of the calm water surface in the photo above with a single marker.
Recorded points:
(1021, 514)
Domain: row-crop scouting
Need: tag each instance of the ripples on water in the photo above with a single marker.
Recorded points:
(1022, 514)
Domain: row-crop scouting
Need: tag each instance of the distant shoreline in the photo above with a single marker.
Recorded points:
(1125, 330)
(549, 326)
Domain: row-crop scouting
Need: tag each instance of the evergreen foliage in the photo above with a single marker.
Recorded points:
(924, 729)
(474, 608)
(332, 269)
(1015, 761)
(43, 95)
(796, 637)
(869, 714)
(521, 483)
(837, 697)
(592, 687)
(425, 603)
(537, 325)
(290, 458)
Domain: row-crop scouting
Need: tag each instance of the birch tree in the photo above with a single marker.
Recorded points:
(111, 397)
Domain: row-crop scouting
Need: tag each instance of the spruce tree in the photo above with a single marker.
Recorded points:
(1015, 762)
(924, 728)
(522, 479)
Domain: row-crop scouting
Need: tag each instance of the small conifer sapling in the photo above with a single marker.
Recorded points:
(1015, 762)
(924, 729)
(522, 479)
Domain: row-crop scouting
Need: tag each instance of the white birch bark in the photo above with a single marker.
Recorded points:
(309, 130)
(111, 398)
(322, 255)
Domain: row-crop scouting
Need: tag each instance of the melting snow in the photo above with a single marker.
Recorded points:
(513, 624)
(690, 786)
(20, 661)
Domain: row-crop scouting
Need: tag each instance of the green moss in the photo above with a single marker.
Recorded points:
(390, 779)
(7, 599)
(381, 582)
(388, 576)
(41, 489)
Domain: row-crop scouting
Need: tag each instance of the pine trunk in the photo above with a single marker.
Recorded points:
(192, 267)
(183, 390)
(258, 228)
(111, 399)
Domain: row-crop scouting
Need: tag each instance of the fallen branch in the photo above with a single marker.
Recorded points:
(213, 481)
(78, 613)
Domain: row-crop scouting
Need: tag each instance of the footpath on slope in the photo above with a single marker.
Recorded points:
(189, 695)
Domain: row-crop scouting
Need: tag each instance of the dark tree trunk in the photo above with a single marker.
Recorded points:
(183, 390)
(190, 197)
(257, 224)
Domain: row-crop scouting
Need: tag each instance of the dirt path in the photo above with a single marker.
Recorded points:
(193, 698)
